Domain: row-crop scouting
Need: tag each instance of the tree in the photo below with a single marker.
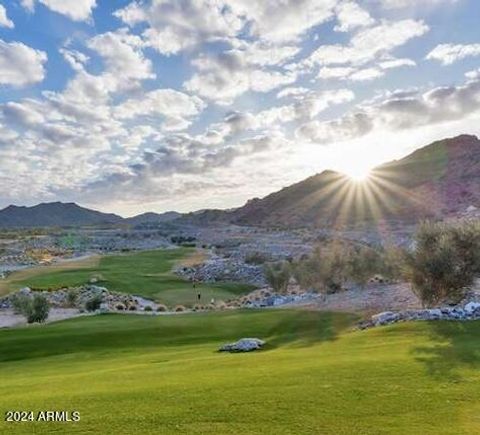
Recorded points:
(445, 261)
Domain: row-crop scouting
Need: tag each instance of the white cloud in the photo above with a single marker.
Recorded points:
(224, 77)
(174, 26)
(178, 25)
(285, 22)
(473, 75)
(362, 74)
(396, 63)
(366, 74)
(74, 58)
(77, 10)
(400, 111)
(175, 106)
(371, 44)
(351, 16)
(20, 65)
(450, 53)
(400, 4)
(123, 57)
(4, 20)
(292, 92)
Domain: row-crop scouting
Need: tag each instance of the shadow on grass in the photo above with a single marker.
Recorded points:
(455, 345)
(115, 333)
(308, 328)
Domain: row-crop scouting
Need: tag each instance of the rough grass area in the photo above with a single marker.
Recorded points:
(146, 273)
(140, 374)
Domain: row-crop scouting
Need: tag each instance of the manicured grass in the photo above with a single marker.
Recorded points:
(146, 273)
(139, 374)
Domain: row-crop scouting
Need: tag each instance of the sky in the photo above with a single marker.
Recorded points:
(155, 105)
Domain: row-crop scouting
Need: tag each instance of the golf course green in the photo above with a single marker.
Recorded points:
(147, 273)
(129, 374)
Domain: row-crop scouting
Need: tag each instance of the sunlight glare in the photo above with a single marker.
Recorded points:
(358, 173)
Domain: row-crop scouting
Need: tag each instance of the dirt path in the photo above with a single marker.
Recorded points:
(8, 319)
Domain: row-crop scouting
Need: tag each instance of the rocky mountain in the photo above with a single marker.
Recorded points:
(153, 218)
(54, 214)
(437, 181)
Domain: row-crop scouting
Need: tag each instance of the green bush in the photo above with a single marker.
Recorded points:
(20, 303)
(444, 262)
(93, 303)
(72, 297)
(325, 270)
(39, 309)
(35, 309)
(278, 275)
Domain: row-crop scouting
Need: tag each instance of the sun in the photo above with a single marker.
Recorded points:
(358, 173)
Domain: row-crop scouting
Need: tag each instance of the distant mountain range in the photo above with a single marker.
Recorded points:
(58, 214)
(439, 180)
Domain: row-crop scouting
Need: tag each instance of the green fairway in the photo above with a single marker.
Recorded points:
(140, 374)
(146, 273)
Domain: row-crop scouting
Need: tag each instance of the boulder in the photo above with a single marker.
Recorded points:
(243, 345)
(384, 318)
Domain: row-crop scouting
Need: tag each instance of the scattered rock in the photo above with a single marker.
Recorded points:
(243, 345)
(470, 311)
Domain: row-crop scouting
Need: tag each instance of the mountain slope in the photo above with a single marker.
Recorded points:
(153, 218)
(53, 214)
(439, 180)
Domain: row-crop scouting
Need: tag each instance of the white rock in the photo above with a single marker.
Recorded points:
(243, 345)
(471, 307)
(384, 317)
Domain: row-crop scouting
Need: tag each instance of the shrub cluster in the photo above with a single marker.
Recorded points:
(330, 267)
(444, 262)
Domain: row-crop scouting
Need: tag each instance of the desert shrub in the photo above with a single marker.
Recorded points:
(35, 309)
(392, 265)
(20, 303)
(256, 258)
(329, 268)
(325, 270)
(72, 297)
(162, 308)
(278, 275)
(39, 309)
(362, 264)
(93, 303)
(179, 308)
(445, 261)
(148, 308)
